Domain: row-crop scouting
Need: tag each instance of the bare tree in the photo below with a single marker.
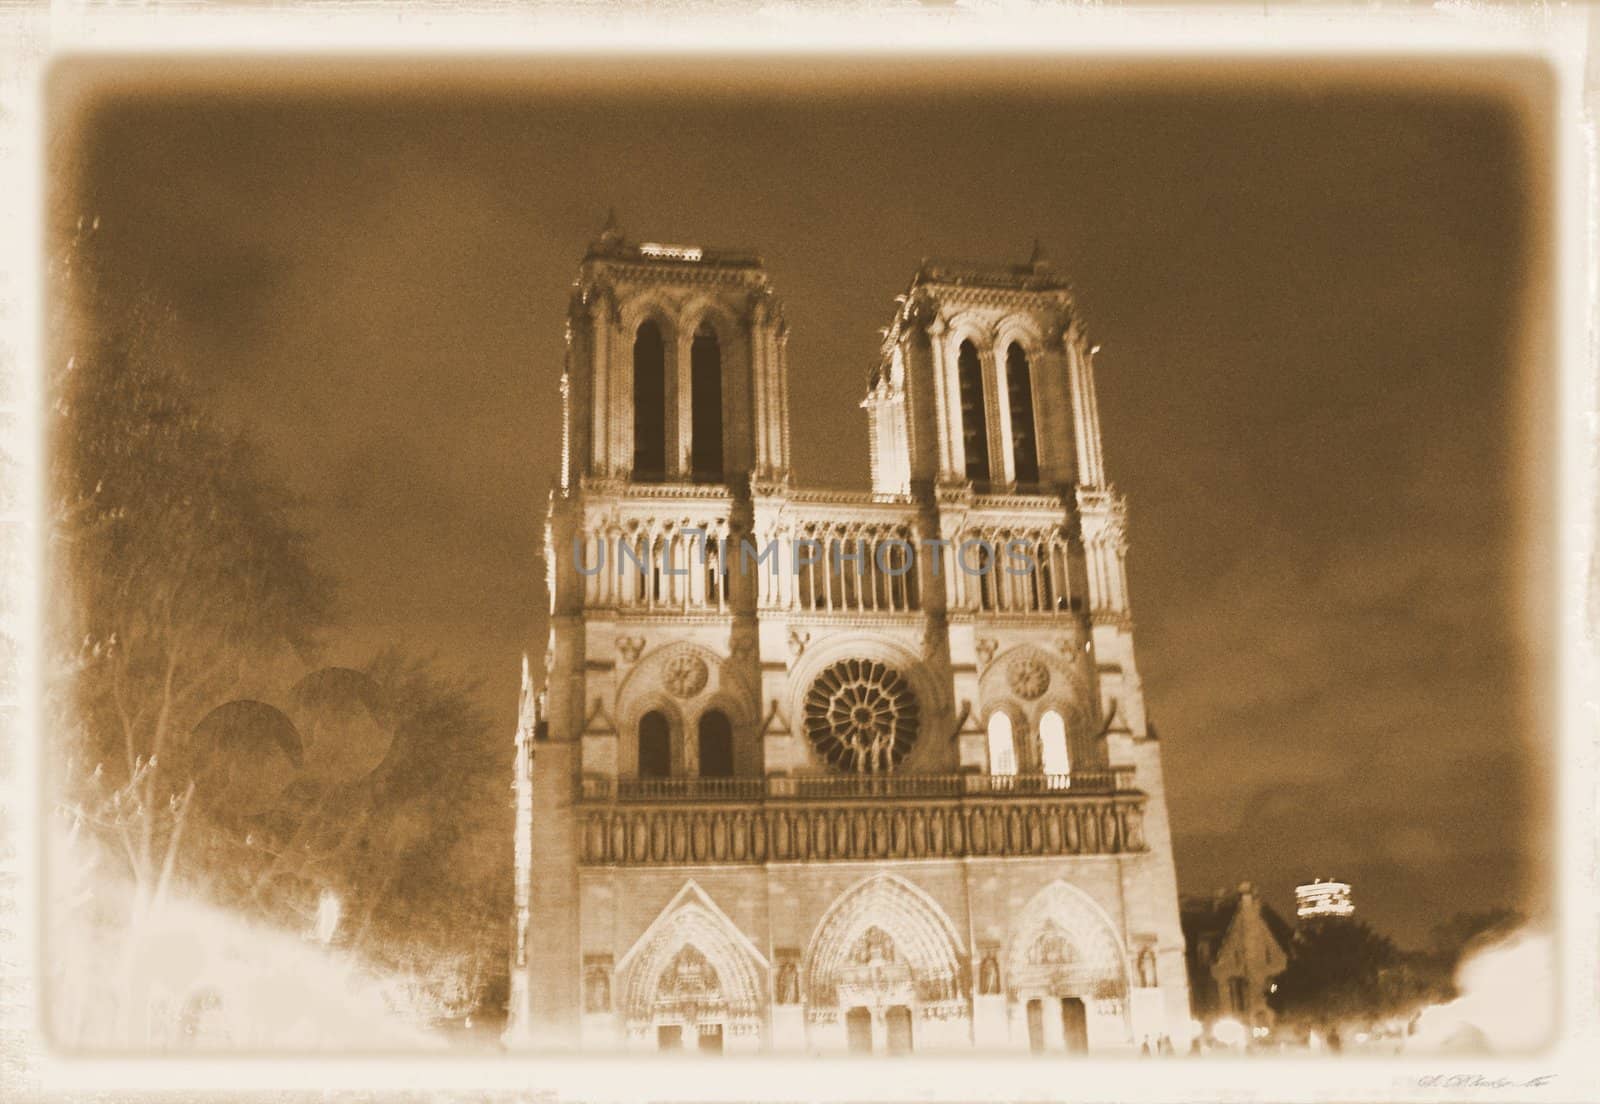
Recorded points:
(175, 562)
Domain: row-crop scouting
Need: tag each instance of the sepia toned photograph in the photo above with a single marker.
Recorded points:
(977, 556)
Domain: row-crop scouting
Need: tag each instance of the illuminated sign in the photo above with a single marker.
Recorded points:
(1322, 898)
(672, 252)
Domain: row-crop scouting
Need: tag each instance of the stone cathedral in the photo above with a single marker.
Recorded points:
(836, 771)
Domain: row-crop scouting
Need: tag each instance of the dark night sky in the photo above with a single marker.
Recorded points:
(1312, 285)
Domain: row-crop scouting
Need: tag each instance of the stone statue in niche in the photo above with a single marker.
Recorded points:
(1135, 833)
(788, 983)
(1147, 968)
(597, 989)
(989, 976)
(874, 946)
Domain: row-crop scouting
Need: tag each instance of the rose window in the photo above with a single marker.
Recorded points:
(861, 715)
(685, 675)
(1029, 677)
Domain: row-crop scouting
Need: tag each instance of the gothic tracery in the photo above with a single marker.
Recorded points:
(862, 715)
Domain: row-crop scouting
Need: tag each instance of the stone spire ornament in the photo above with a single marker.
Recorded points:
(1038, 260)
(611, 233)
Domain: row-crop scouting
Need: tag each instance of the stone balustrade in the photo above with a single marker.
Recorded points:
(776, 786)
(925, 817)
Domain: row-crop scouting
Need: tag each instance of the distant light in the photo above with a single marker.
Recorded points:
(672, 252)
(1228, 1032)
(1095, 349)
(328, 910)
(1321, 898)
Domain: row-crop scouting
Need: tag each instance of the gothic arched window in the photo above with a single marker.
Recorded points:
(1019, 390)
(1053, 758)
(974, 413)
(716, 745)
(705, 404)
(655, 745)
(1002, 749)
(649, 404)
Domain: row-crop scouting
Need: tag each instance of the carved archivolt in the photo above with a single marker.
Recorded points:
(1063, 946)
(883, 941)
(690, 967)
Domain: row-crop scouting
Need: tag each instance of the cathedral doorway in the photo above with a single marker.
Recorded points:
(692, 982)
(1074, 1025)
(886, 958)
(1068, 973)
(858, 1031)
(1036, 1026)
(898, 1022)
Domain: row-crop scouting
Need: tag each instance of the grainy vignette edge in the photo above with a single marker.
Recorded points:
(31, 34)
(18, 572)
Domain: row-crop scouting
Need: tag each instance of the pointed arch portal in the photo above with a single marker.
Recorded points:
(694, 971)
(1064, 946)
(883, 941)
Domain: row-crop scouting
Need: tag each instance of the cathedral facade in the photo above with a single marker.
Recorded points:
(818, 771)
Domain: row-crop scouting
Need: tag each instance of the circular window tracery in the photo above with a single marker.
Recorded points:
(861, 715)
(685, 675)
(1029, 677)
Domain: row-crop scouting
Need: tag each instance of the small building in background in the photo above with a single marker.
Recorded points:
(1321, 899)
(1235, 945)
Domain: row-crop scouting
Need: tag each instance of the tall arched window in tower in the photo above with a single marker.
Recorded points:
(1053, 758)
(655, 745)
(1002, 750)
(974, 413)
(716, 745)
(1019, 390)
(705, 424)
(649, 404)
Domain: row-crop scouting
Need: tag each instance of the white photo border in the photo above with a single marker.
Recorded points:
(32, 36)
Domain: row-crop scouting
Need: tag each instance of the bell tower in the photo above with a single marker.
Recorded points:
(808, 762)
(984, 378)
(676, 367)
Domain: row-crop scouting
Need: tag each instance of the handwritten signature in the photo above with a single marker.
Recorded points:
(1476, 1081)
